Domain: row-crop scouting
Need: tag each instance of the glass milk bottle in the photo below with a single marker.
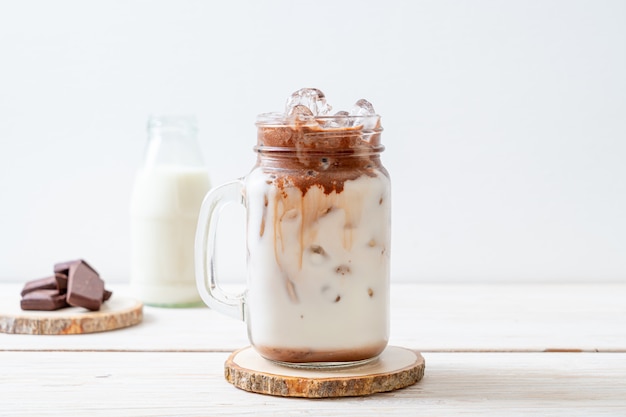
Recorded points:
(167, 195)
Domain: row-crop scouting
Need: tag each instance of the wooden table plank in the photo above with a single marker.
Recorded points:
(514, 317)
(192, 384)
(425, 317)
(172, 363)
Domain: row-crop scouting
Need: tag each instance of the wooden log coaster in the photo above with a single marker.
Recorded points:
(395, 368)
(117, 312)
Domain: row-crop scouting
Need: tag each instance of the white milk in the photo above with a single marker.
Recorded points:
(164, 213)
(318, 279)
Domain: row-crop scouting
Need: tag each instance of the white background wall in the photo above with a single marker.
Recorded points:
(505, 122)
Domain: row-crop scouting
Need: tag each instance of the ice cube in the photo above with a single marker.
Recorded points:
(311, 98)
(338, 120)
(342, 119)
(365, 114)
(363, 108)
(302, 112)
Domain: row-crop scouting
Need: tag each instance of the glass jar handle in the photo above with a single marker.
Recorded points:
(206, 233)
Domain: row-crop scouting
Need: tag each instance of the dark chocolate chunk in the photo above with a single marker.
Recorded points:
(46, 300)
(54, 282)
(84, 287)
(61, 282)
(64, 267)
(74, 283)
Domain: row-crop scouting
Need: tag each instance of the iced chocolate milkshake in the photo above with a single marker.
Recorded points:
(318, 204)
(318, 234)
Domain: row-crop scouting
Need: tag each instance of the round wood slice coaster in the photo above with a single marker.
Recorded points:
(115, 313)
(395, 368)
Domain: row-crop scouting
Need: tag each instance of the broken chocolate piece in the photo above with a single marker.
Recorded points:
(75, 283)
(84, 287)
(46, 300)
(54, 282)
(64, 267)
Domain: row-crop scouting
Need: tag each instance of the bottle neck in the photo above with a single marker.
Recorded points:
(172, 127)
(173, 141)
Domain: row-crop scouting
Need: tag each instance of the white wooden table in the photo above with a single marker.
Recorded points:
(490, 350)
